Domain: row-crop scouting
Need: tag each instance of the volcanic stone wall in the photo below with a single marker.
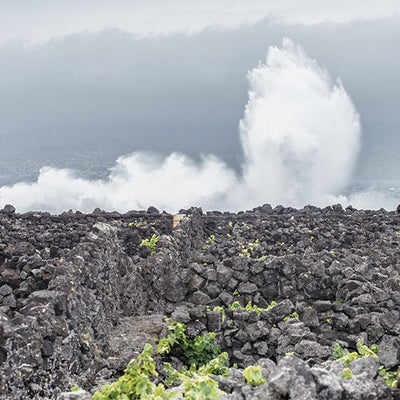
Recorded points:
(338, 270)
(66, 281)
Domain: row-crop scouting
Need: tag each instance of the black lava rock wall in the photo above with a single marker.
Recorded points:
(67, 280)
(64, 283)
(337, 269)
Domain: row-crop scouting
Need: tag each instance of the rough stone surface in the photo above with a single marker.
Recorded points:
(366, 366)
(80, 296)
(359, 388)
(329, 386)
(292, 377)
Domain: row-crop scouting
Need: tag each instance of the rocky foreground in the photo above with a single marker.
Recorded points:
(81, 295)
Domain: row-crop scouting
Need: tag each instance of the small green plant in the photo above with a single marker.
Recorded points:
(343, 356)
(197, 383)
(209, 242)
(216, 366)
(135, 384)
(366, 351)
(138, 224)
(243, 251)
(253, 375)
(198, 351)
(271, 305)
(150, 244)
(249, 307)
(391, 378)
(347, 374)
(253, 307)
(294, 315)
(176, 332)
(362, 351)
(246, 249)
(252, 246)
(76, 388)
(202, 387)
(235, 305)
(338, 351)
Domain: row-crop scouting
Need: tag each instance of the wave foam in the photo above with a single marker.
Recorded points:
(300, 136)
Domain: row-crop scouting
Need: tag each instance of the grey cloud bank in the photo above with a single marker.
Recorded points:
(43, 20)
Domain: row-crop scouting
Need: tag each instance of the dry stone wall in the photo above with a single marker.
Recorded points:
(337, 270)
(67, 281)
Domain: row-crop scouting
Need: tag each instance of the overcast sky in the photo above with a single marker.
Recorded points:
(43, 20)
(171, 75)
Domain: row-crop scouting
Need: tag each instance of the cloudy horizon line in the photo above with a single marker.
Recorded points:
(33, 25)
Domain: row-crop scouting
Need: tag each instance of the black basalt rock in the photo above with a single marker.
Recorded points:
(278, 287)
(8, 209)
